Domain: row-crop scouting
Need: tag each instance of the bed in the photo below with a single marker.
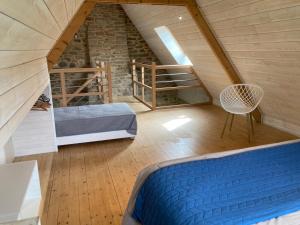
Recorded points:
(80, 124)
(260, 185)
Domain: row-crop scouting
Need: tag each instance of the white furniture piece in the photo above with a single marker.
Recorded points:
(85, 138)
(20, 194)
(241, 99)
(36, 134)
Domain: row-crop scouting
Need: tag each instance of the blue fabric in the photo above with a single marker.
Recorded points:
(244, 188)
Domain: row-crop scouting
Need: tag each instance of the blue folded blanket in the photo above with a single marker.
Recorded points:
(244, 188)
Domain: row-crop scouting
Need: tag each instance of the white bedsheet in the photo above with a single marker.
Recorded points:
(289, 219)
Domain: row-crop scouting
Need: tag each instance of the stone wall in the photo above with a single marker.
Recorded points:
(109, 35)
(107, 41)
(77, 52)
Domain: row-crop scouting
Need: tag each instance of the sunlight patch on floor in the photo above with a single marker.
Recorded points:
(175, 123)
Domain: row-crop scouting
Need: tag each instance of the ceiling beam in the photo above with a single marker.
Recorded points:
(216, 47)
(150, 2)
(69, 32)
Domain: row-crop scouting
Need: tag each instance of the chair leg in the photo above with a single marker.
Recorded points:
(231, 122)
(252, 126)
(249, 127)
(224, 128)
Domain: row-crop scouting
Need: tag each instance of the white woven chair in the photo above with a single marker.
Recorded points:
(241, 99)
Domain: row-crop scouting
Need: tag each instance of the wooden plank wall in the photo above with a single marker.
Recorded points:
(29, 30)
(261, 37)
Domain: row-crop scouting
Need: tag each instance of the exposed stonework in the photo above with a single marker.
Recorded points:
(109, 35)
(76, 53)
(107, 41)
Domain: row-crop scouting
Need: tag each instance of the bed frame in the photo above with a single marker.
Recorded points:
(102, 136)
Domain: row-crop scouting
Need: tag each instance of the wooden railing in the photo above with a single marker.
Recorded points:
(93, 82)
(139, 86)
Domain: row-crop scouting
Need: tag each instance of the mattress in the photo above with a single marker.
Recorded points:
(290, 218)
(88, 119)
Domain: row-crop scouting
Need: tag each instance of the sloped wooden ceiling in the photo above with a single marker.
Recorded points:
(261, 38)
(29, 29)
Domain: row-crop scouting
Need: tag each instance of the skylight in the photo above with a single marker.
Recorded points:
(172, 45)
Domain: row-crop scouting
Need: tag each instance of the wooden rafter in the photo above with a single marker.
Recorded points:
(195, 12)
(69, 33)
(150, 2)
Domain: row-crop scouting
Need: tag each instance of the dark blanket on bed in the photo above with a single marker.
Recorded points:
(94, 119)
(244, 188)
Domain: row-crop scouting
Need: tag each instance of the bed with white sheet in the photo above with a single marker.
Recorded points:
(80, 124)
(207, 190)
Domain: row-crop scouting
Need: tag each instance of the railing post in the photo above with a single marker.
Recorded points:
(153, 74)
(100, 81)
(133, 77)
(63, 102)
(143, 82)
(109, 79)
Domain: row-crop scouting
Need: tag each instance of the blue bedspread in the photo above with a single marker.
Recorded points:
(244, 188)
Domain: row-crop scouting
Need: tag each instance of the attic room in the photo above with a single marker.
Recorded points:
(148, 112)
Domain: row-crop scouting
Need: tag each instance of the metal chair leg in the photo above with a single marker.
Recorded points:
(252, 126)
(225, 125)
(231, 122)
(249, 127)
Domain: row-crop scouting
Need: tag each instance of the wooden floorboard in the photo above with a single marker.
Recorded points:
(90, 184)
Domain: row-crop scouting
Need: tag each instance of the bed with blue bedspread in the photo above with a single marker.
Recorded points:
(250, 186)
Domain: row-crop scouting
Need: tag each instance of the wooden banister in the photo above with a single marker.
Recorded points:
(77, 70)
(143, 82)
(99, 75)
(63, 102)
(153, 75)
(133, 77)
(166, 67)
(140, 64)
(109, 79)
(193, 77)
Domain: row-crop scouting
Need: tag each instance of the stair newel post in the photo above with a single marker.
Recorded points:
(133, 77)
(153, 74)
(143, 82)
(101, 76)
(109, 79)
(63, 102)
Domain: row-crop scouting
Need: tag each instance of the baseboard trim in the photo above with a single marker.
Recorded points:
(282, 125)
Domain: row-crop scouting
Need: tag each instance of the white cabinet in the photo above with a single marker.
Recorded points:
(36, 134)
(20, 193)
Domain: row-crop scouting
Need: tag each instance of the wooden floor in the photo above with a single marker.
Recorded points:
(90, 183)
